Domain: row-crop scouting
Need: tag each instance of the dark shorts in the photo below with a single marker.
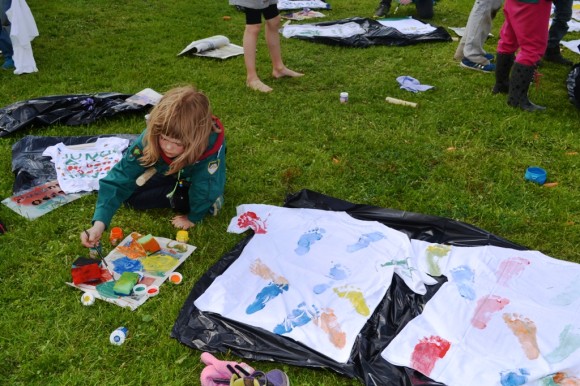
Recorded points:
(254, 16)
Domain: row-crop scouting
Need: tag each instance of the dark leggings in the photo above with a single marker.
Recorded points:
(424, 8)
(153, 194)
(254, 16)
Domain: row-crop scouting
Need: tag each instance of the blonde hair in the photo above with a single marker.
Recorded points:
(183, 114)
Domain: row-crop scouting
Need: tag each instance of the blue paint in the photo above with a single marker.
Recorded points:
(125, 264)
(463, 276)
(513, 378)
(320, 288)
(338, 272)
(265, 295)
(307, 239)
(364, 241)
(297, 317)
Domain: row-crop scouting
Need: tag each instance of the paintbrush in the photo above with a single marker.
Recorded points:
(98, 249)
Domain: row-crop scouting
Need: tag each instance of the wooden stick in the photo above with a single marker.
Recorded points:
(396, 101)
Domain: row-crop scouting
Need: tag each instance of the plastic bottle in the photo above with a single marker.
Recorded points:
(343, 97)
(118, 336)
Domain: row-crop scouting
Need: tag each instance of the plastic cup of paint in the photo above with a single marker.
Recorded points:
(87, 299)
(536, 174)
(152, 290)
(182, 236)
(140, 289)
(116, 236)
(118, 336)
(176, 278)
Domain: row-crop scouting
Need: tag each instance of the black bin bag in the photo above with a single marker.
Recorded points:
(210, 332)
(78, 109)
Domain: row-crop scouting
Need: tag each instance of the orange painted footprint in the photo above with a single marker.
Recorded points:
(356, 298)
(427, 352)
(525, 330)
(330, 325)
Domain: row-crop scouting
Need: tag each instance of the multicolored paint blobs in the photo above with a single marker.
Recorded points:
(277, 284)
(364, 241)
(486, 307)
(434, 253)
(427, 352)
(308, 239)
(252, 221)
(560, 379)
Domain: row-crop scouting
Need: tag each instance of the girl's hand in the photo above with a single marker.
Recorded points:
(182, 222)
(92, 236)
(405, 2)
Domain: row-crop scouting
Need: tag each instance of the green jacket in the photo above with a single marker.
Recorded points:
(207, 178)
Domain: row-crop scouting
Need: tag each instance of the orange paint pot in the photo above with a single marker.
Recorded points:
(115, 236)
(176, 278)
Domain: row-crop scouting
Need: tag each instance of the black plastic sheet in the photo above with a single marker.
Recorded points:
(573, 85)
(210, 332)
(376, 34)
(70, 110)
(31, 168)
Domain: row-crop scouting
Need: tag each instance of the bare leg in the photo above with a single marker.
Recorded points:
(273, 41)
(251, 34)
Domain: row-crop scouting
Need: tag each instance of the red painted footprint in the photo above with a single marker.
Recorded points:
(427, 352)
(252, 221)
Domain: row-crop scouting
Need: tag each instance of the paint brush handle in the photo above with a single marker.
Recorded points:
(396, 101)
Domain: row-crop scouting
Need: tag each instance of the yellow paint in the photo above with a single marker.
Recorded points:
(356, 298)
(158, 263)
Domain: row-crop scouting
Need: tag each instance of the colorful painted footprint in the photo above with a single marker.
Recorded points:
(355, 297)
(267, 293)
(307, 239)
(427, 352)
(463, 276)
(337, 272)
(364, 241)
(299, 316)
(514, 378)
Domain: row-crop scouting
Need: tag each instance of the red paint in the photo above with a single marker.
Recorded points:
(427, 352)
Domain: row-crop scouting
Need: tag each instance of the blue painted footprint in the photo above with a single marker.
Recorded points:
(364, 241)
(267, 293)
(337, 272)
(463, 276)
(296, 318)
(513, 378)
(307, 239)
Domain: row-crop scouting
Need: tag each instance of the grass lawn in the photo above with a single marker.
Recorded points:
(461, 153)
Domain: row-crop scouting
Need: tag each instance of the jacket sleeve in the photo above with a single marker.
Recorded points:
(208, 181)
(118, 185)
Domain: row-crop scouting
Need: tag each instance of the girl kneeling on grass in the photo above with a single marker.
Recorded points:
(177, 162)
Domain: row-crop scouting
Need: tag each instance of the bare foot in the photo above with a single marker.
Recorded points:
(258, 85)
(285, 72)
